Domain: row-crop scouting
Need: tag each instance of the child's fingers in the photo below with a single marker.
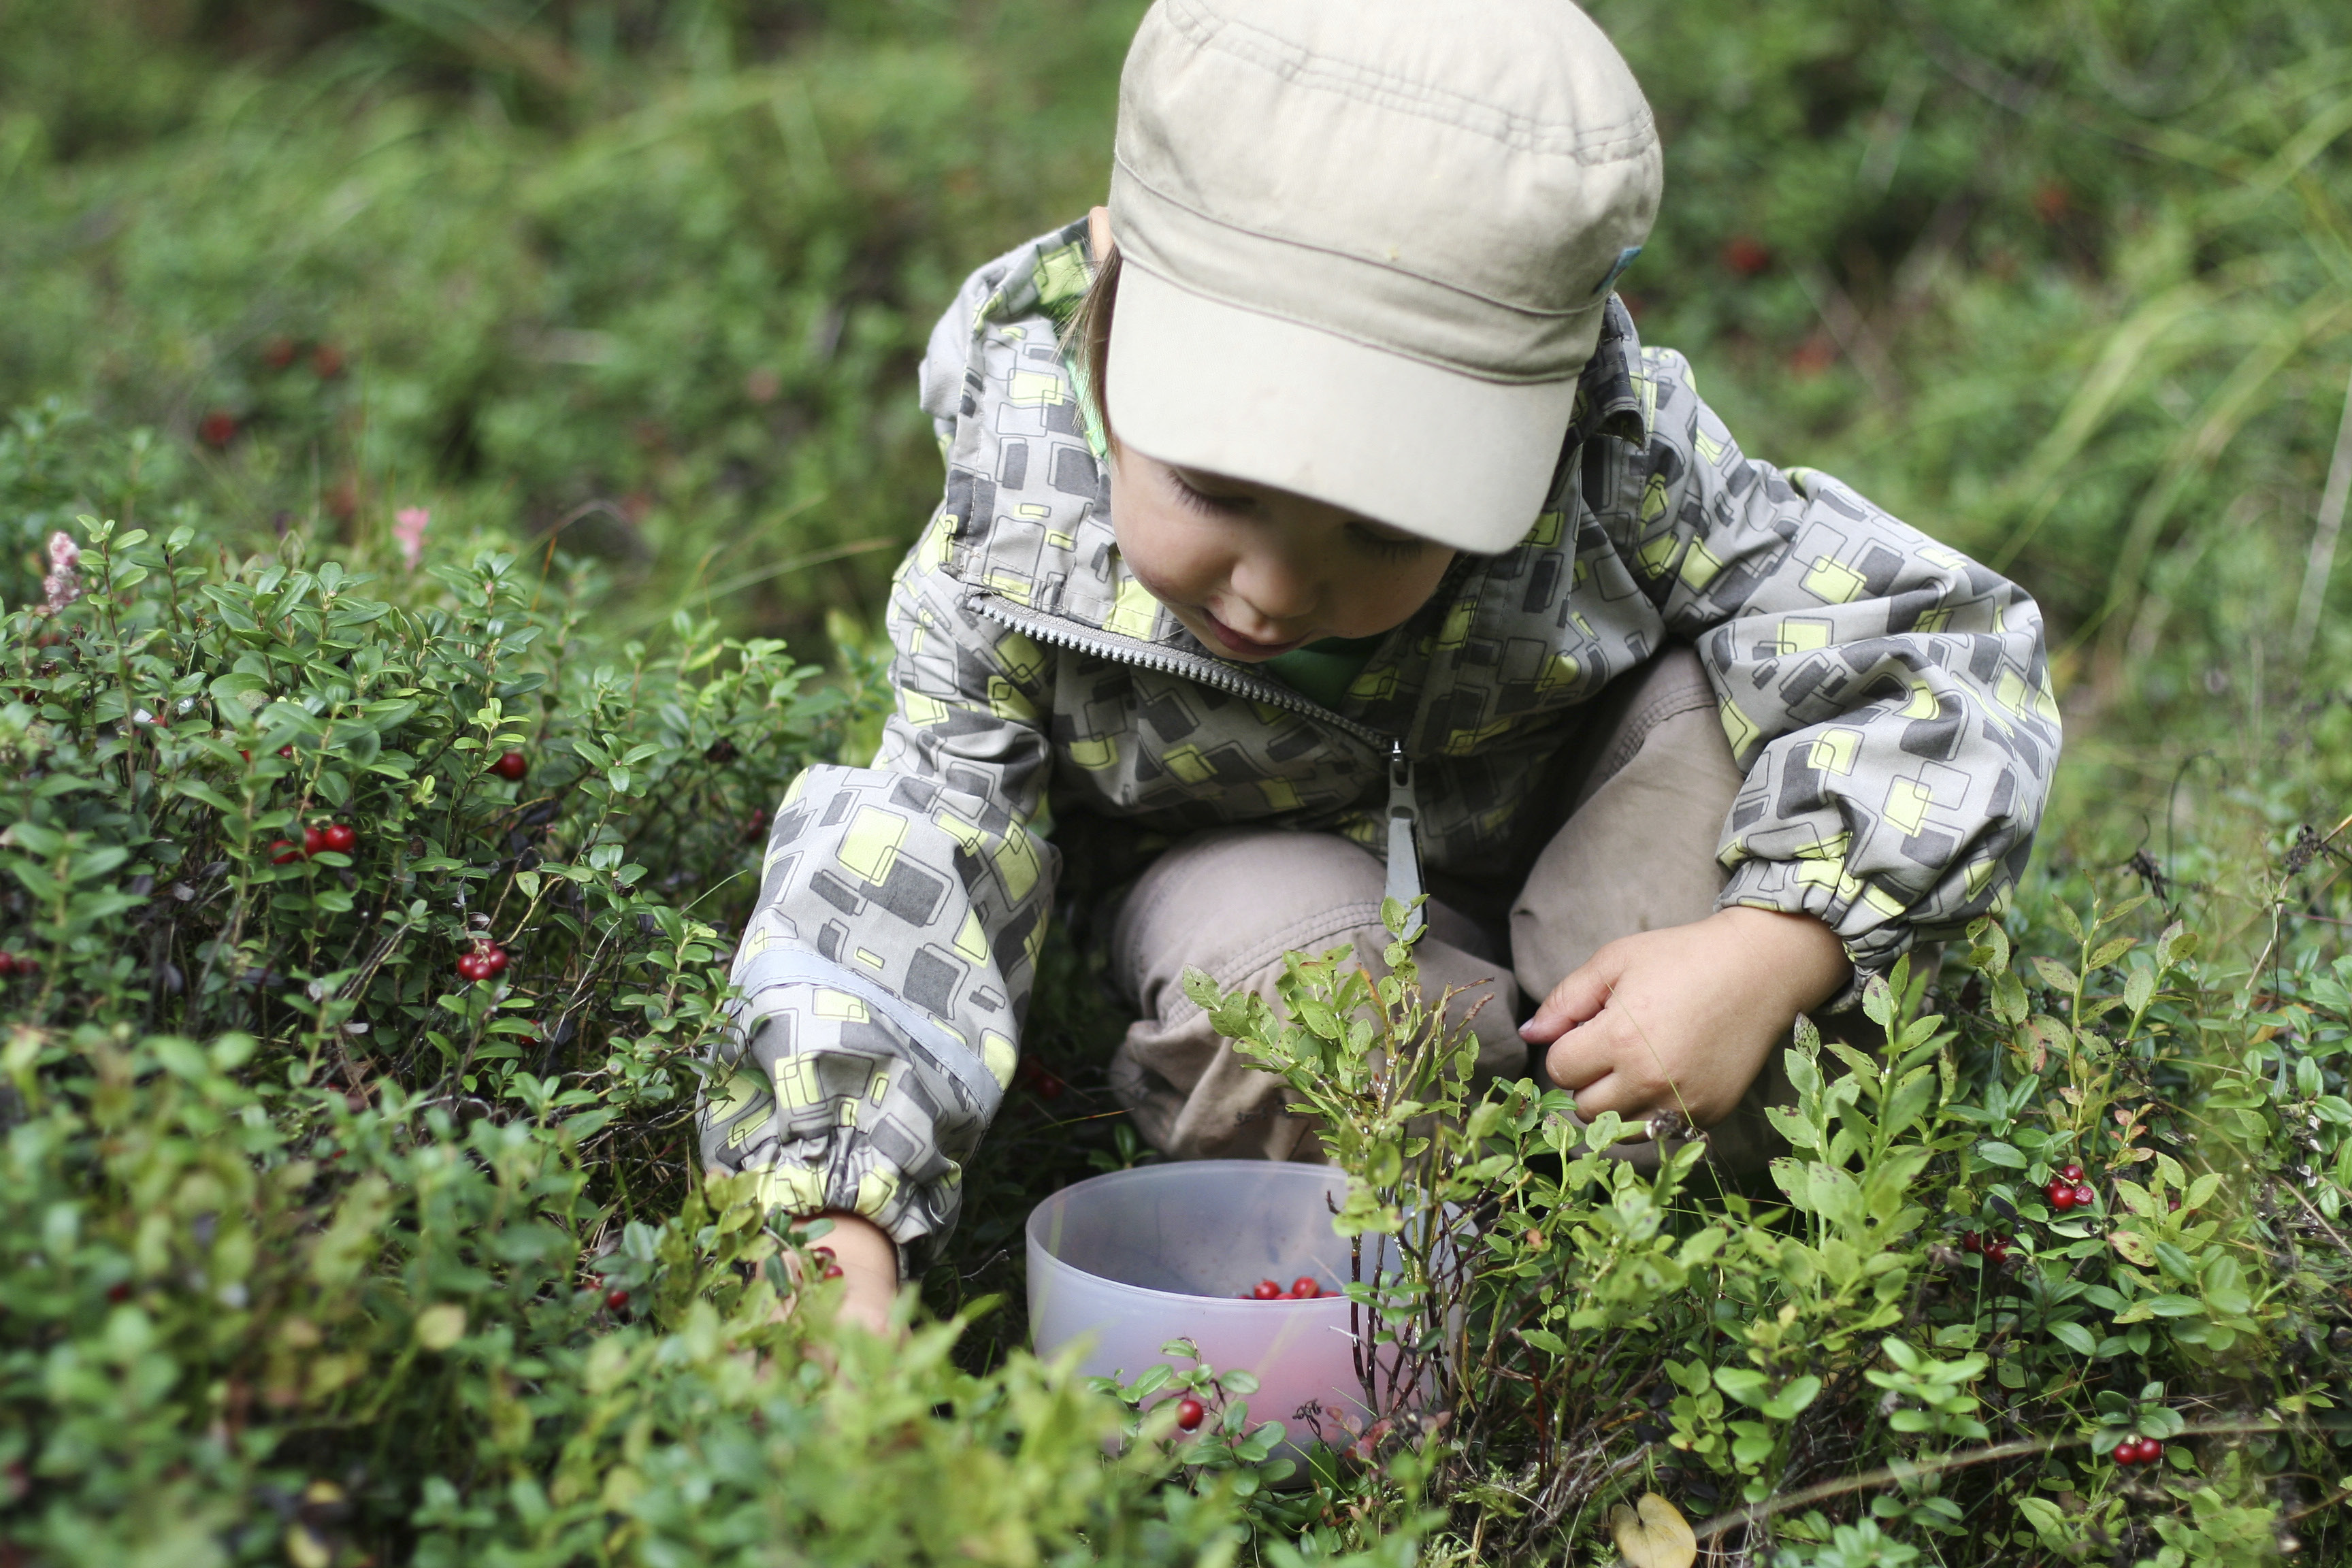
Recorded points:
(1589, 1061)
(1573, 1002)
(1608, 1064)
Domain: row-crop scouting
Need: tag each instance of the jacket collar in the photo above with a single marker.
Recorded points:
(1608, 400)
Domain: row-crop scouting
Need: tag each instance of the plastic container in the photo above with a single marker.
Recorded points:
(1124, 1263)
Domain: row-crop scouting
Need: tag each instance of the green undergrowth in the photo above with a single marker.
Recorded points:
(319, 1247)
(314, 1248)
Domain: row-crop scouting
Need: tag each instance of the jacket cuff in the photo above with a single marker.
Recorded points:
(846, 1175)
(1872, 938)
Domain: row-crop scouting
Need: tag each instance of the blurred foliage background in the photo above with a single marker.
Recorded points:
(2067, 285)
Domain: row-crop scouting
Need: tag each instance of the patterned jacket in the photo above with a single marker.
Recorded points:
(1888, 696)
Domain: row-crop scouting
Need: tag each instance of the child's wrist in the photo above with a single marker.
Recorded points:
(1797, 954)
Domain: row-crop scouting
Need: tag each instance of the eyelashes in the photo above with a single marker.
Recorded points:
(1388, 549)
(1201, 502)
(1361, 535)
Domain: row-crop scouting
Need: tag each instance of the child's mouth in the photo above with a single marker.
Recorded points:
(1248, 648)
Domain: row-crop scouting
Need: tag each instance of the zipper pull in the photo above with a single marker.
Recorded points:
(1405, 842)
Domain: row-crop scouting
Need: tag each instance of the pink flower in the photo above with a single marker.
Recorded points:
(408, 525)
(63, 583)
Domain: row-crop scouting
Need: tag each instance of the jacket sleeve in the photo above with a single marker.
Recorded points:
(1888, 697)
(888, 964)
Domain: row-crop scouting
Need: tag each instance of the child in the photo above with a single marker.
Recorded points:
(1330, 441)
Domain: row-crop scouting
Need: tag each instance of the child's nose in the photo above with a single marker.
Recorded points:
(1277, 585)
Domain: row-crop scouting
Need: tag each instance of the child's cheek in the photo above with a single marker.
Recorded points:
(1174, 557)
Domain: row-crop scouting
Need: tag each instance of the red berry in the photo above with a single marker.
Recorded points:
(493, 959)
(1189, 1412)
(616, 1299)
(286, 752)
(341, 836)
(2070, 1171)
(1972, 1242)
(1305, 1288)
(217, 428)
(1815, 355)
(1049, 1087)
(278, 353)
(831, 1271)
(510, 767)
(1747, 255)
(1997, 1248)
(28, 965)
(824, 1252)
(284, 852)
(1265, 1291)
(8, 964)
(313, 840)
(470, 967)
(2052, 200)
(2085, 1195)
(118, 1291)
(2060, 1195)
(326, 361)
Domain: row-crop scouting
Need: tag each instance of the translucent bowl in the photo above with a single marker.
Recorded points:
(1124, 1263)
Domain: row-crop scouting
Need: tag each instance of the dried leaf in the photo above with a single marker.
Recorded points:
(1656, 1537)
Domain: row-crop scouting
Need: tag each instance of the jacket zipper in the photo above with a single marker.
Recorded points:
(1168, 661)
(1404, 880)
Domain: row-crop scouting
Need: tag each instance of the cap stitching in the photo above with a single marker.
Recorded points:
(1260, 309)
(1619, 141)
(1538, 311)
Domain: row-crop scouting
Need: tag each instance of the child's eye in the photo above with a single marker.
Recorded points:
(1395, 546)
(1200, 499)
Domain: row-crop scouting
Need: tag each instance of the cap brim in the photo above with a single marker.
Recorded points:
(1440, 453)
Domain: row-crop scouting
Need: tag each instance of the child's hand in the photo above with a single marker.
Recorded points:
(1682, 1018)
(870, 1269)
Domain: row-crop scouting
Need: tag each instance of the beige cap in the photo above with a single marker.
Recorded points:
(1366, 246)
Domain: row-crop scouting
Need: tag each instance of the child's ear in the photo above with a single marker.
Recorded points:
(1098, 240)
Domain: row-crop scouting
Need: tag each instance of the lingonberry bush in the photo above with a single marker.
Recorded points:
(362, 930)
(346, 1211)
(1834, 1362)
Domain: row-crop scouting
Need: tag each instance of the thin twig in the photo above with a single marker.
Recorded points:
(1902, 1472)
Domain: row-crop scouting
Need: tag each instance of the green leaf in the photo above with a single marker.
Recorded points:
(197, 790)
(1794, 1396)
(1744, 1383)
(2055, 974)
(2075, 1337)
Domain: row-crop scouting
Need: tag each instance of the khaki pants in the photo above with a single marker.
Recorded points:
(1640, 802)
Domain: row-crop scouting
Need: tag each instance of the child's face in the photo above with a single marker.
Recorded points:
(1255, 571)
